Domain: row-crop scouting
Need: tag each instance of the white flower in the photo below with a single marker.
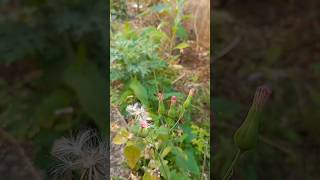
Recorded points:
(138, 112)
(134, 110)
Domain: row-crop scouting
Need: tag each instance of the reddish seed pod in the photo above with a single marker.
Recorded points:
(173, 100)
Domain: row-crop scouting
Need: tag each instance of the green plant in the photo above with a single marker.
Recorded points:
(171, 16)
(158, 145)
(135, 54)
(137, 65)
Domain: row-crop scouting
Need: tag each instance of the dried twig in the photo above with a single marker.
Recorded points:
(176, 80)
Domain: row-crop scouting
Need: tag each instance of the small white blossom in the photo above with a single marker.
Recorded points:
(138, 112)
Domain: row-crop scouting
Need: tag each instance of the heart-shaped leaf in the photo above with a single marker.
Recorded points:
(132, 154)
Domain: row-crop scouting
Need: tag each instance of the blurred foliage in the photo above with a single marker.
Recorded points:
(118, 9)
(135, 54)
(53, 60)
(278, 56)
(170, 16)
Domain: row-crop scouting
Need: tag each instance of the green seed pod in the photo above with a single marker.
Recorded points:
(161, 107)
(246, 137)
(144, 132)
(172, 113)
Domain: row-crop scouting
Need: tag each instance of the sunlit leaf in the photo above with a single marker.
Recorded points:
(121, 137)
(148, 176)
(182, 46)
(132, 154)
(166, 151)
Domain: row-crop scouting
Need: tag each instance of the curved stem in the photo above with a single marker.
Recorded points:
(181, 115)
(228, 174)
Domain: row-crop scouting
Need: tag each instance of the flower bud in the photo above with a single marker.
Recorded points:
(246, 137)
(144, 124)
(187, 103)
(173, 100)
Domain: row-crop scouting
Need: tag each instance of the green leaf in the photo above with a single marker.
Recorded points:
(185, 160)
(148, 176)
(166, 151)
(132, 154)
(165, 171)
(178, 176)
(182, 46)
(139, 91)
(121, 137)
(45, 112)
(163, 133)
(170, 94)
(181, 32)
(90, 89)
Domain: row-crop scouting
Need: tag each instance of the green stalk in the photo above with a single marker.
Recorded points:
(229, 172)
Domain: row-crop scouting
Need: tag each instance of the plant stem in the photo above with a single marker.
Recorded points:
(181, 115)
(228, 174)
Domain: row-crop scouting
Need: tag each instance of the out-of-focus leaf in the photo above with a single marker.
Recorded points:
(45, 112)
(178, 176)
(132, 154)
(163, 132)
(139, 91)
(185, 160)
(148, 176)
(182, 46)
(84, 78)
(181, 32)
(166, 151)
(121, 137)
